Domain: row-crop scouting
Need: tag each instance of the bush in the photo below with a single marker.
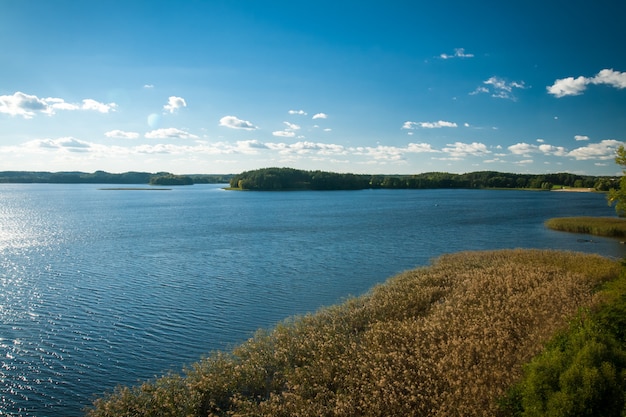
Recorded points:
(582, 371)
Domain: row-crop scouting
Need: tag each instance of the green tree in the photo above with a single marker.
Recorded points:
(617, 195)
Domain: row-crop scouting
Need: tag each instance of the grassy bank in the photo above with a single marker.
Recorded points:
(449, 339)
(598, 226)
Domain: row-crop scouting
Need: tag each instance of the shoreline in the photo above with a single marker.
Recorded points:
(575, 190)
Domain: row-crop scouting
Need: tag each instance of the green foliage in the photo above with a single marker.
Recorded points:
(582, 371)
(617, 196)
(446, 340)
(599, 226)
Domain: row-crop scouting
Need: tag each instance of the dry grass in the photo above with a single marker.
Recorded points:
(447, 340)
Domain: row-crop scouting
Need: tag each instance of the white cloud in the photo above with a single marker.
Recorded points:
(524, 162)
(604, 150)
(437, 125)
(249, 146)
(552, 150)
(320, 116)
(420, 148)
(20, 104)
(289, 132)
(302, 148)
(581, 137)
(120, 134)
(525, 149)
(522, 148)
(89, 104)
(428, 125)
(169, 133)
(66, 143)
(571, 86)
(235, 123)
(26, 105)
(148, 86)
(284, 133)
(292, 126)
(299, 112)
(174, 103)
(458, 53)
(460, 150)
(499, 88)
(610, 77)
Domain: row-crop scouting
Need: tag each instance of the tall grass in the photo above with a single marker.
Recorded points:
(446, 340)
(599, 226)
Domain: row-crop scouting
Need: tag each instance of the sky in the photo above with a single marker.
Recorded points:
(393, 87)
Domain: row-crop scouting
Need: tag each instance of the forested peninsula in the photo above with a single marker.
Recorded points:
(281, 179)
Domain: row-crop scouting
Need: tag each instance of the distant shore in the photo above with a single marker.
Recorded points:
(575, 190)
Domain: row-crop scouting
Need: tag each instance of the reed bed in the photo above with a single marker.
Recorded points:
(598, 226)
(445, 340)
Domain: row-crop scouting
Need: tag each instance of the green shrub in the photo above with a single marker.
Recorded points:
(582, 371)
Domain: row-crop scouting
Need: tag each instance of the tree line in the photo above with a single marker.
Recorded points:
(278, 179)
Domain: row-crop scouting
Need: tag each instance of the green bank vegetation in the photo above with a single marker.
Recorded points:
(582, 370)
(598, 226)
(450, 339)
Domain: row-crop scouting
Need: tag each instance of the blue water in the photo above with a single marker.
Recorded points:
(100, 288)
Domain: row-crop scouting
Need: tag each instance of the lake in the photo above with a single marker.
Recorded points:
(107, 287)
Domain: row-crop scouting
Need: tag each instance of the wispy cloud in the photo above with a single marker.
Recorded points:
(174, 103)
(233, 122)
(120, 134)
(581, 137)
(458, 53)
(499, 88)
(289, 132)
(571, 86)
(169, 133)
(299, 112)
(320, 116)
(428, 125)
(27, 105)
(68, 144)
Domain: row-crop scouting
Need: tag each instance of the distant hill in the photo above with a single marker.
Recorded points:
(102, 177)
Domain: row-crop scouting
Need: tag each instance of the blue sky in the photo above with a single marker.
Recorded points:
(366, 87)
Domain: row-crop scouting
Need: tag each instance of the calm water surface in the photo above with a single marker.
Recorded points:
(100, 288)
